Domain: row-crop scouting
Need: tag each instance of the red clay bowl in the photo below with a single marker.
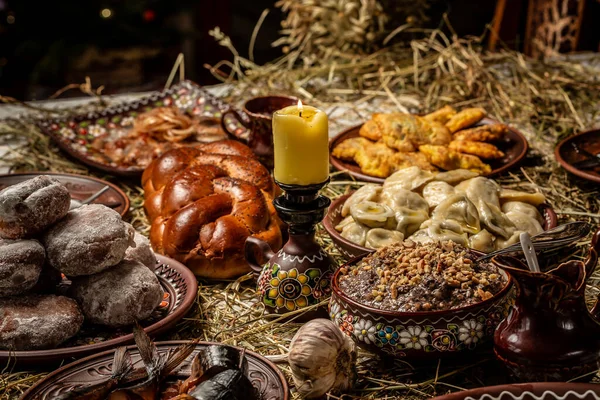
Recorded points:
(350, 249)
(418, 336)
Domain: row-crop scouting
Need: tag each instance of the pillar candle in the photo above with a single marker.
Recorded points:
(301, 142)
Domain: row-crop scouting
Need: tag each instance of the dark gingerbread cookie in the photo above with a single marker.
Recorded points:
(34, 322)
(120, 295)
(142, 252)
(21, 262)
(30, 207)
(88, 240)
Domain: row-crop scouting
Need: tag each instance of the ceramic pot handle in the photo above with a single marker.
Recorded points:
(257, 253)
(592, 259)
(242, 118)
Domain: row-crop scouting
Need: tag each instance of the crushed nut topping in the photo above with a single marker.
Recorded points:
(411, 277)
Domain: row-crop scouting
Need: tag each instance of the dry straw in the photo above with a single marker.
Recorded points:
(547, 100)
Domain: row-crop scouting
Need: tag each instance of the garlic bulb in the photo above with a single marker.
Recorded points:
(322, 359)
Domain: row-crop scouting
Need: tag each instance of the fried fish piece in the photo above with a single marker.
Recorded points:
(480, 149)
(442, 115)
(376, 159)
(447, 159)
(484, 133)
(405, 132)
(417, 159)
(370, 130)
(347, 149)
(465, 118)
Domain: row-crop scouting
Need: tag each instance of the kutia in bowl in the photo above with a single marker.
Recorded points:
(420, 301)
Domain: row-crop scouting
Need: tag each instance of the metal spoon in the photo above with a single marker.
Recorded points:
(77, 203)
(561, 236)
(529, 252)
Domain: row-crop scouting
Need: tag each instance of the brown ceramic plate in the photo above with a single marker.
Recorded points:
(75, 135)
(264, 375)
(530, 391)
(350, 250)
(514, 145)
(80, 186)
(567, 155)
(180, 287)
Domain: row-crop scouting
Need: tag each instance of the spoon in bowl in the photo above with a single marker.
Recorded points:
(529, 252)
(77, 203)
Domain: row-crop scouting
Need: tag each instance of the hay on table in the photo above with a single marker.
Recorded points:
(546, 100)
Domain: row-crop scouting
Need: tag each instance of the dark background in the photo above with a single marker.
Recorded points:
(47, 44)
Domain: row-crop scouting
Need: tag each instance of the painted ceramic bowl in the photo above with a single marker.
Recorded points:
(350, 249)
(419, 335)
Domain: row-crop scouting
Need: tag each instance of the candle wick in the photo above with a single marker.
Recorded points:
(300, 113)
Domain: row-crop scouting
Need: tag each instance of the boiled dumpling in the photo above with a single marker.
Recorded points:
(379, 237)
(524, 208)
(495, 220)
(397, 198)
(356, 233)
(368, 192)
(455, 176)
(480, 188)
(460, 209)
(503, 243)
(514, 195)
(435, 192)
(348, 220)
(408, 178)
(482, 241)
(373, 215)
(441, 231)
(409, 221)
(524, 222)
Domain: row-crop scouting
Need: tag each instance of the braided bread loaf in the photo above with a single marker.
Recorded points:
(203, 202)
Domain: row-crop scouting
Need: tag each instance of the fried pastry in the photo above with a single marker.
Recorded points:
(348, 148)
(447, 159)
(465, 118)
(480, 149)
(404, 160)
(484, 133)
(442, 115)
(405, 132)
(370, 130)
(376, 159)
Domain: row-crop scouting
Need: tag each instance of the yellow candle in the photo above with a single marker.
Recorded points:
(301, 142)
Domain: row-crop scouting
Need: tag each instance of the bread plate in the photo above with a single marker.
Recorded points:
(514, 145)
(80, 187)
(180, 290)
(264, 375)
(350, 250)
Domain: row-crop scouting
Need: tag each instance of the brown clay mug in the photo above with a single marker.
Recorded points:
(257, 117)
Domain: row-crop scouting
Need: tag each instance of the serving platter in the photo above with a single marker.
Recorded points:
(180, 290)
(264, 375)
(570, 154)
(75, 135)
(514, 145)
(529, 391)
(350, 250)
(80, 187)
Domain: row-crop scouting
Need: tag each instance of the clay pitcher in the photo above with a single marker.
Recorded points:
(550, 335)
(297, 276)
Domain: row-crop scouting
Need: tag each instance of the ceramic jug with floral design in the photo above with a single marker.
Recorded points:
(298, 276)
(550, 335)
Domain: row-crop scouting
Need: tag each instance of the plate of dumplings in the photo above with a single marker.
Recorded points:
(425, 206)
(444, 140)
(73, 281)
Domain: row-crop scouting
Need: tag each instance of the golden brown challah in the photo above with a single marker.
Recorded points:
(203, 202)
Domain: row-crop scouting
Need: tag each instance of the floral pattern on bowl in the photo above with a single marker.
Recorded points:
(419, 335)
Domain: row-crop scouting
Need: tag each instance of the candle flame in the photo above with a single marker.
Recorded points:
(300, 108)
